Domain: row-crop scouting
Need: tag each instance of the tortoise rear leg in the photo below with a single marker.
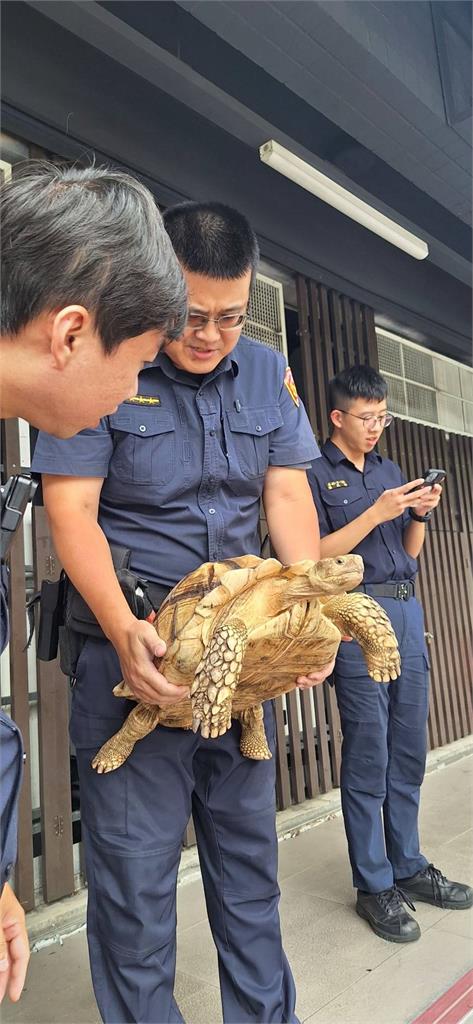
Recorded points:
(141, 721)
(253, 741)
(216, 677)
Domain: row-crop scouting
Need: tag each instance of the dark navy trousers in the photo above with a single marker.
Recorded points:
(383, 754)
(135, 820)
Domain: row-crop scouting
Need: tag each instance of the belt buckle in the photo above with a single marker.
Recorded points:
(403, 591)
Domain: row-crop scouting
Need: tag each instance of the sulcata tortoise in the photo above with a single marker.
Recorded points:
(239, 632)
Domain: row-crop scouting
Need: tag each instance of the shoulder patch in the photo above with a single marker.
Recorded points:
(289, 383)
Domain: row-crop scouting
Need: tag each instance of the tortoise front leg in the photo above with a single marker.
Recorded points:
(216, 678)
(141, 721)
(253, 741)
(359, 616)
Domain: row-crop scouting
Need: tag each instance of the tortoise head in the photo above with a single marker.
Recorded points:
(329, 576)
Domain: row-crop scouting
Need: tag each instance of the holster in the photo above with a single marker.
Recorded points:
(66, 621)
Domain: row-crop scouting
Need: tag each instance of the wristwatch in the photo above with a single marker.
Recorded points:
(420, 519)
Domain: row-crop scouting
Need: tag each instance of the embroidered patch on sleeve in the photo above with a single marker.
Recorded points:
(289, 383)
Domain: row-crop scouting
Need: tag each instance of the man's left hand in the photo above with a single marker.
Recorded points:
(14, 945)
(430, 502)
(307, 682)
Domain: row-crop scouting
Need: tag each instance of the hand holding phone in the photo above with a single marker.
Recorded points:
(434, 476)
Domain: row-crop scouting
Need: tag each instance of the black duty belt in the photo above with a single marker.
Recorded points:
(401, 590)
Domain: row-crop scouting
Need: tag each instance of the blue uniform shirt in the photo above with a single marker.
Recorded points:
(11, 770)
(184, 462)
(350, 493)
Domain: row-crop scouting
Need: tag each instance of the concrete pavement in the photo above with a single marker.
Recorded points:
(344, 973)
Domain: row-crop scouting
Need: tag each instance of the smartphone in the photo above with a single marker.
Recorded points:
(434, 476)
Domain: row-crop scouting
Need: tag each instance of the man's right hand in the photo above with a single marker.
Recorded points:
(393, 503)
(137, 646)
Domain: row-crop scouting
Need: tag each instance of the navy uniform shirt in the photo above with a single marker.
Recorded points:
(11, 769)
(184, 462)
(342, 492)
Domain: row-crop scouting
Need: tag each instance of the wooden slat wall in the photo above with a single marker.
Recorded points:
(334, 331)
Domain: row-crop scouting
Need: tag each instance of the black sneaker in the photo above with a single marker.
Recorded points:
(430, 886)
(385, 912)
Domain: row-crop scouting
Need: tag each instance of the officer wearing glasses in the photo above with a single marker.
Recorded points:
(366, 506)
(177, 474)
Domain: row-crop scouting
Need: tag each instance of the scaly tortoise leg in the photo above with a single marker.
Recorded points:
(253, 741)
(141, 721)
(359, 616)
(216, 678)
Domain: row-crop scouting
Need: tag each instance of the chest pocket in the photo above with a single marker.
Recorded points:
(145, 446)
(344, 504)
(248, 439)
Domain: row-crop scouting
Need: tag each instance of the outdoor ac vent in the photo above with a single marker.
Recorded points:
(447, 377)
(450, 412)
(397, 401)
(424, 386)
(421, 403)
(390, 355)
(265, 321)
(468, 417)
(419, 366)
(466, 378)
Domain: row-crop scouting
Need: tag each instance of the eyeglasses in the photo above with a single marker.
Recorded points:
(371, 422)
(229, 322)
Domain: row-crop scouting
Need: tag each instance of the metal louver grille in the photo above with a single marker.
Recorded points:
(397, 401)
(422, 403)
(265, 321)
(424, 386)
(450, 412)
(390, 356)
(418, 366)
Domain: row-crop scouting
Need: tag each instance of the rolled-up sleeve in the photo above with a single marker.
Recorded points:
(293, 443)
(86, 454)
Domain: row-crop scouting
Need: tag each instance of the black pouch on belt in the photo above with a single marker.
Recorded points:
(79, 622)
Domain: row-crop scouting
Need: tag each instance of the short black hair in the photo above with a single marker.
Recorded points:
(92, 236)
(356, 382)
(212, 239)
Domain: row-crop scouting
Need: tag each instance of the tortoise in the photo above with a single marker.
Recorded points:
(241, 631)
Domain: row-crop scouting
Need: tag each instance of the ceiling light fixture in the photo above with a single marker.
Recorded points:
(287, 163)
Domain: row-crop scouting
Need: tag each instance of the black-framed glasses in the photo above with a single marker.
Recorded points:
(371, 422)
(228, 322)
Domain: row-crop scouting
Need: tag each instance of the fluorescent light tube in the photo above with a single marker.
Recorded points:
(341, 199)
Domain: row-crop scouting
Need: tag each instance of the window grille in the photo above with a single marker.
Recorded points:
(266, 321)
(424, 386)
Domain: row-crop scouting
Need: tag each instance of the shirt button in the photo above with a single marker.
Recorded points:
(258, 428)
(345, 501)
(211, 479)
(142, 427)
(211, 511)
(214, 555)
(212, 433)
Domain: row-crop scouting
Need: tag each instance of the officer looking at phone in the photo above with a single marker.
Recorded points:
(366, 506)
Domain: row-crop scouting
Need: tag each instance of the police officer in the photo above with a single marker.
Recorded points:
(176, 474)
(91, 289)
(366, 506)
